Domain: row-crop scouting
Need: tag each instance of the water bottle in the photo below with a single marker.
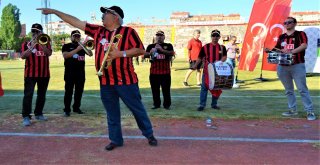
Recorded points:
(209, 122)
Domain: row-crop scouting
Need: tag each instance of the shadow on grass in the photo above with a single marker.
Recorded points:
(235, 104)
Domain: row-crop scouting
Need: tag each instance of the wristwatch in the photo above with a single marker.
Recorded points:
(124, 54)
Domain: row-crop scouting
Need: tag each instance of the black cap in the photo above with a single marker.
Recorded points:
(160, 33)
(36, 26)
(116, 9)
(75, 32)
(215, 32)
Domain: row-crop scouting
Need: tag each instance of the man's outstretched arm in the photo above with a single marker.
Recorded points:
(75, 22)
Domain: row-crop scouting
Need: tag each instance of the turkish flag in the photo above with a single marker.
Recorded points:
(1, 90)
(265, 24)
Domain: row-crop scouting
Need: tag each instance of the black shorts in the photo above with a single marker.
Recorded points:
(192, 63)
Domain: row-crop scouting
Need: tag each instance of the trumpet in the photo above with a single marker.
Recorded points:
(42, 39)
(87, 46)
(106, 64)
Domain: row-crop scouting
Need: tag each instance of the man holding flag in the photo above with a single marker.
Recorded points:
(294, 42)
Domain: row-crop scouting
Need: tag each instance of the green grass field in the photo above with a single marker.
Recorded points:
(253, 100)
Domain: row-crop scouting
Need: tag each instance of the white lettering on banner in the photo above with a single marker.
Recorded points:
(40, 53)
(222, 68)
(289, 46)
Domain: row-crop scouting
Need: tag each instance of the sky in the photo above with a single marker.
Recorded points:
(143, 10)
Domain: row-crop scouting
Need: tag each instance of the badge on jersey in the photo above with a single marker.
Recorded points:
(289, 46)
(39, 53)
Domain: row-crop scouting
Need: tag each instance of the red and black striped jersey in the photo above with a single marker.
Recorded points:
(292, 42)
(210, 53)
(121, 70)
(161, 63)
(37, 64)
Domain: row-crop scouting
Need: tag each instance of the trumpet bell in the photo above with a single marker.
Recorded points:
(43, 39)
(89, 45)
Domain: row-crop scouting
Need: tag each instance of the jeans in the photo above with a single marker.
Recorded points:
(296, 73)
(29, 84)
(203, 95)
(78, 86)
(131, 97)
(163, 81)
(231, 61)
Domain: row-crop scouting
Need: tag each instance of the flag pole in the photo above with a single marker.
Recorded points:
(261, 78)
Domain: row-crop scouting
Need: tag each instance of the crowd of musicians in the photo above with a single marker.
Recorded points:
(115, 46)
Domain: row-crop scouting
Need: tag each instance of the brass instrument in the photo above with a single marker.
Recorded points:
(104, 61)
(89, 45)
(43, 39)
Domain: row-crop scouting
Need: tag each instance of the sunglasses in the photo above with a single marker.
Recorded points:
(77, 36)
(288, 22)
(215, 35)
(159, 35)
(35, 31)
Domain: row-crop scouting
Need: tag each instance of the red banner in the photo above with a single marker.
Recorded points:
(1, 90)
(264, 26)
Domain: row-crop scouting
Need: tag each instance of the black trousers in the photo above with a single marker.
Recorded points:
(163, 81)
(78, 86)
(29, 84)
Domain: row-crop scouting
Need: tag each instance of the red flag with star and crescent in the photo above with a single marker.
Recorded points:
(265, 25)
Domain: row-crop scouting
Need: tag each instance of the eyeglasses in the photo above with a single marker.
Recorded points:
(35, 31)
(108, 11)
(288, 22)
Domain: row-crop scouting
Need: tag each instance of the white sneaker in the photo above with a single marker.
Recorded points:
(235, 86)
(311, 116)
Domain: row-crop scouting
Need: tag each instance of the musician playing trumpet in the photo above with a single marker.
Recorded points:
(36, 54)
(119, 79)
(74, 73)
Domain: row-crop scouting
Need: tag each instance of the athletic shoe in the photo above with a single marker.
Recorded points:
(185, 84)
(66, 114)
(26, 121)
(311, 116)
(152, 141)
(235, 86)
(111, 146)
(41, 118)
(215, 107)
(290, 113)
(200, 109)
(78, 111)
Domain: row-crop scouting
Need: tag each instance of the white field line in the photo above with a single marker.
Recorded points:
(263, 140)
(172, 96)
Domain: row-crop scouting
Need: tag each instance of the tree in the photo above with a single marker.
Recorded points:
(10, 28)
(58, 40)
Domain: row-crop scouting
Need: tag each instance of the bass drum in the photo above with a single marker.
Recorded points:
(220, 75)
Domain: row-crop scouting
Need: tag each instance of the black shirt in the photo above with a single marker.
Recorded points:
(74, 66)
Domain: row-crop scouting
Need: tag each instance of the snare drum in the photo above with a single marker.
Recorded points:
(280, 58)
(220, 75)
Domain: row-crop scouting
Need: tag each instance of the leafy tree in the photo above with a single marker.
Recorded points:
(10, 28)
(58, 40)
